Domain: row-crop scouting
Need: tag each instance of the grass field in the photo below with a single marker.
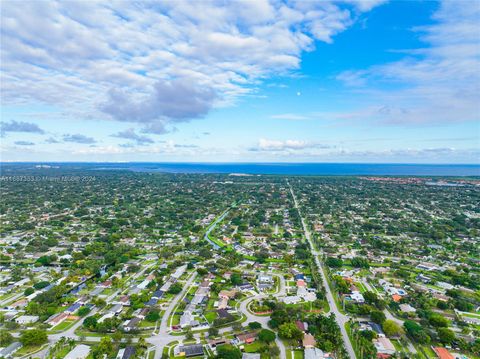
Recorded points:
(63, 325)
(211, 316)
(254, 347)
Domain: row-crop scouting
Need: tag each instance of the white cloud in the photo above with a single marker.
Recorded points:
(268, 145)
(130, 134)
(290, 116)
(19, 126)
(180, 99)
(72, 54)
(24, 143)
(79, 138)
(166, 148)
(365, 5)
(440, 83)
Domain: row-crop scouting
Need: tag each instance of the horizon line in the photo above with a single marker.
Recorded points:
(241, 162)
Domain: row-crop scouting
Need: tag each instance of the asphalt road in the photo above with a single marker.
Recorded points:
(164, 337)
(251, 317)
(340, 317)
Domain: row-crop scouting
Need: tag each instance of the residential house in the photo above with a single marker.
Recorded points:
(407, 308)
(10, 350)
(131, 324)
(57, 318)
(192, 350)
(313, 353)
(246, 338)
(291, 299)
(384, 346)
(308, 341)
(116, 309)
(357, 297)
(245, 287)
(73, 308)
(106, 284)
(213, 343)
(26, 319)
(443, 353)
(81, 351)
(126, 353)
(250, 356)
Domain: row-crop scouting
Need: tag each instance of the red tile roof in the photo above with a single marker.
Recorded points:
(443, 353)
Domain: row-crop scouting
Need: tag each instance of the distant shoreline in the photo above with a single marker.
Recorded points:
(313, 169)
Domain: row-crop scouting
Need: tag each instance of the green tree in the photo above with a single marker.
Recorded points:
(188, 334)
(289, 331)
(212, 332)
(416, 332)
(41, 285)
(153, 316)
(437, 320)
(33, 337)
(333, 262)
(266, 336)
(273, 351)
(254, 325)
(175, 288)
(104, 347)
(391, 328)
(90, 323)
(236, 279)
(5, 338)
(28, 291)
(446, 335)
(377, 316)
(83, 311)
(228, 351)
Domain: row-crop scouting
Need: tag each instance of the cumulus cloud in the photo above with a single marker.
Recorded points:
(156, 63)
(24, 143)
(177, 100)
(365, 5)
(52, 140)
(286, 145)
(130, 134)
(290, 116)
(19, 126)
(440, 83)
(165, 148)
(78, 138)
(185, 146)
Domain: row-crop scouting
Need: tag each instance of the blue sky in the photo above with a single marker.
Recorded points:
(328, 81)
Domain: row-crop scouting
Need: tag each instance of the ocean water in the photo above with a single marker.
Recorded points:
(314, 169)
(343, 169)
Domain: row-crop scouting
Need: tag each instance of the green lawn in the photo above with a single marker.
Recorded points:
(298, 354)
(361, 287)
(7, 296)
(63, 352)
(398, 346)
(211, 316)
(471, 315)
(254, 347)
(175, 319)
(87, 333)
(63, 325)
(28, 350)
(146, 323)
(425, 351)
